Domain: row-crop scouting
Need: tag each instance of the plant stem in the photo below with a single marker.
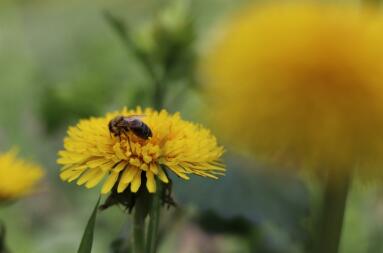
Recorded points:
(375, 3)
(154, 221)
(139, 227)
(155, 208)
(3, 247)
(332, 215)
(158, 95)
(122, 31)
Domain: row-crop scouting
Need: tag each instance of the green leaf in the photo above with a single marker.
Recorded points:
(87, 238)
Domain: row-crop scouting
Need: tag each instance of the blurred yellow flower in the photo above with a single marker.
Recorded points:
(18, 178)
(302, 85)
(91, 153)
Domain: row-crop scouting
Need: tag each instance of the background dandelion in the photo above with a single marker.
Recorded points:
(307, 94)
(310, 98)
(18, 178)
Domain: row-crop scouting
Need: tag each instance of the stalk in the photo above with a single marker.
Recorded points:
(155, 208)
(154, 221)
(374, 3)
(159, 92)
(139, 227)
(333, 212)
(3, 247)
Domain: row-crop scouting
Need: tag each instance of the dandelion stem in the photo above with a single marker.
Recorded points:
(139, 226)
(332, 215)
(372, 2)
(154, 221)
(3, 247)
(158, 94)
(122, 31)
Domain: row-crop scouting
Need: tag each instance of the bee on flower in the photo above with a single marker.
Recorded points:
(129, 149)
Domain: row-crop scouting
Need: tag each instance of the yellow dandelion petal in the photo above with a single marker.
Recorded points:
(135, 162)
(96, 163)
(92, 154)
(129, 174)
(107, 166)
(161, 175)
(179, 171)
(121, 187)
(64, 161)
(70, 173)
(150, 182)
(119, 152)
(88, 175)
(74, 175)
(109, 183)
(144, 167)
(119, 167)
(95, 179)
(147, 158)
(136, 183)
(153, 168)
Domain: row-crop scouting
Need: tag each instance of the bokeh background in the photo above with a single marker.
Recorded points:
(64, 60)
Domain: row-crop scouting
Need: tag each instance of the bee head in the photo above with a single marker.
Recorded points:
(111, 127)
(114, 125)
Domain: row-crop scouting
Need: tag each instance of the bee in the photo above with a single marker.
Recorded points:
(124, 124)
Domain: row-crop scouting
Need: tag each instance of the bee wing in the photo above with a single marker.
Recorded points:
(133, 117)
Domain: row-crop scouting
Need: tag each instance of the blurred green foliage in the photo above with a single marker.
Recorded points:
(64, 60)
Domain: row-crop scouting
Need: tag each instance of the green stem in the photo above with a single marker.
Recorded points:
(372, 2)
(158, 95)
(3, 247)
(151, 244)
(332, 215)
(139, 227)
(122, 31)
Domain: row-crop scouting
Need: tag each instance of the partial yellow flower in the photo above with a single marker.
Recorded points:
(18, 178)
(302, 85)
(91, 153)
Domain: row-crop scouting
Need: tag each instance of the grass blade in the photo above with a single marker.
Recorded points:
(87, 238)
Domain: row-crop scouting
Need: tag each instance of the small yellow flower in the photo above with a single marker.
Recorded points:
(302, 85)
(17, 177)
(91, 153)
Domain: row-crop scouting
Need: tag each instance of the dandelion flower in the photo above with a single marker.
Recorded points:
(18, 178)
(91, 153)
(302, 85)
